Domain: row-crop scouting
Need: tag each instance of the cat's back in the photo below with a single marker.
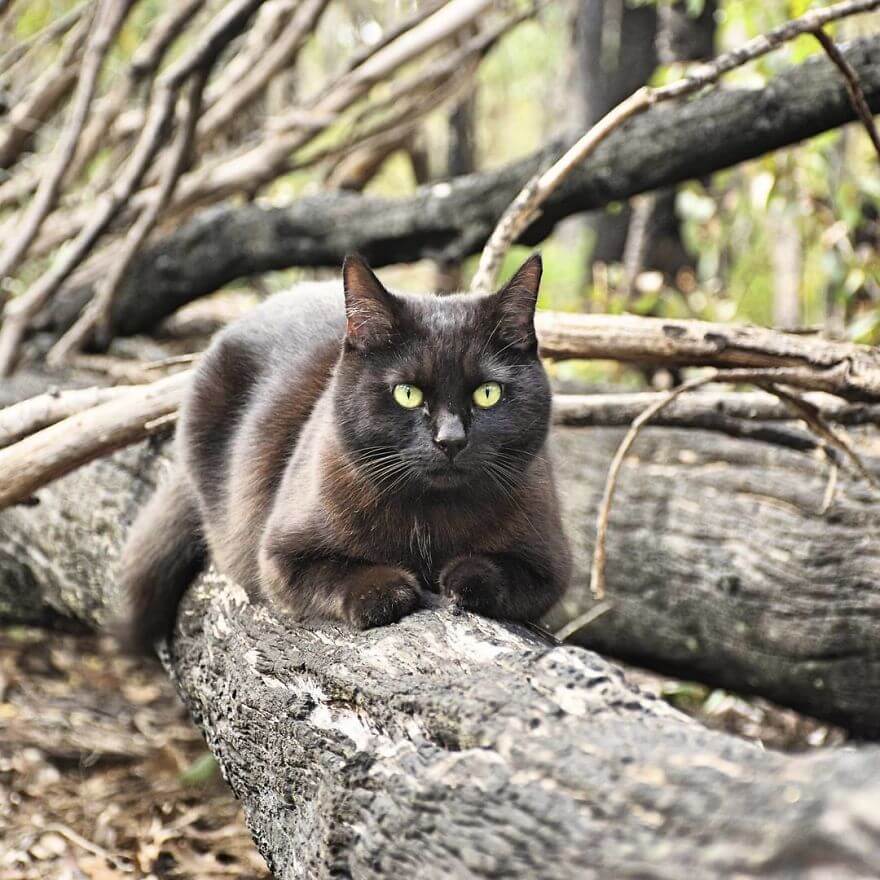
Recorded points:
(275, 360)
(286, 325)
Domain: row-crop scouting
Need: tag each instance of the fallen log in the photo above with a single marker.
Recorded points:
(448, 745)
(749, 569)
(451, 220)
(713, 534)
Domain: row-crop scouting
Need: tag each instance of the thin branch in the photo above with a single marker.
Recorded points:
(275, 58)
(583, 620)
(23, 419)
(256, 166)
(853, 87)
(847, 370)
(762, 378)
(44, 97)
(525, 207)
(95, 315)
(108, 20)
(49, 454)
(830, 488)
(837, 439)
(618, 409)
(52, 31)
(597, 571)
(226, 24)
(423, 12)
(144, 64)
(697, 417)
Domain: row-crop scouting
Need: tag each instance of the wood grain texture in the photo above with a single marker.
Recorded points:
(721, 568)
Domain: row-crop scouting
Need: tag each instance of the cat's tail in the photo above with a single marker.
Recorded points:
(164, 552)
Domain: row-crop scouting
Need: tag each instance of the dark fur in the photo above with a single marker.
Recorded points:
(309, 484)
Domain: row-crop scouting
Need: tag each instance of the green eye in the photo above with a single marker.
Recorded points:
(488, 394)
(408, 396)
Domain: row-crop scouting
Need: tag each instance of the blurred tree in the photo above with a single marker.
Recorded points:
(618, 47)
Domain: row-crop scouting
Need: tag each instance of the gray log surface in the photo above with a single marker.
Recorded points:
(721, 567)
(450, 745)
(448, 221)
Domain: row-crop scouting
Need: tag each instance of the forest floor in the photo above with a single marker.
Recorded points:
(102, 775)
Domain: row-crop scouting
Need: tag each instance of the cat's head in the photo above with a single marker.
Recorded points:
(441, 393)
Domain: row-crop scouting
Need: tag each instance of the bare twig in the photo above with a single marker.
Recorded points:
(612, 412)
(44, 97)
(812, 415)
(597, 571)
(851, 371)
(583, 620)
(768, 379)
(253, 167)
(144, 64)
(278, 56)
(42, 457)
(618, 409)
(118, 864)
(830, 488)
(96, 313)
(525, 207)
(108, 20)
(228, 22)
(52, 31)
(32, 415)
(853, 87)
(405, 24)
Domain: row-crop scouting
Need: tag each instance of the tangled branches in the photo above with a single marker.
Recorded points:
(169, 136)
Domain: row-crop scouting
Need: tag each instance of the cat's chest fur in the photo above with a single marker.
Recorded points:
(420, 534)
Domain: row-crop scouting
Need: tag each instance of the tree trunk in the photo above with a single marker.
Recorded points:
(448, 222)
(616, 54)
(449, 745)
(617, 49)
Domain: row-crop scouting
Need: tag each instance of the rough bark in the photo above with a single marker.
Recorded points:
(449, 221)
(450, 745)
(721, 568)
(720, 565)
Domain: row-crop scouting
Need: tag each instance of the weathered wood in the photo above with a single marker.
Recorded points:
(450, 746)
(721, 565)
(618, 409)
(449, 221)
(842, 368)
(35, 413)
(66, 445)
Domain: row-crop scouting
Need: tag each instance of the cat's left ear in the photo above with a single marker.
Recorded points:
(370, 309)
(515, 305)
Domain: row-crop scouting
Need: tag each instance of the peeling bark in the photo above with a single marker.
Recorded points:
(449, 745)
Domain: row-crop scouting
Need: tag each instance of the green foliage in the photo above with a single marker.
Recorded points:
(202, 771)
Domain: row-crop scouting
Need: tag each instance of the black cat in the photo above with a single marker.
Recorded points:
(341, 454)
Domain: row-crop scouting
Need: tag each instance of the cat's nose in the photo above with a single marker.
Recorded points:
(449, 435)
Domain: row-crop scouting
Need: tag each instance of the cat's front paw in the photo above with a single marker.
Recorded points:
(472, 582)
(380, 596)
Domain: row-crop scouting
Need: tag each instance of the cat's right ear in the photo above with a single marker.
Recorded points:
(369, 308)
